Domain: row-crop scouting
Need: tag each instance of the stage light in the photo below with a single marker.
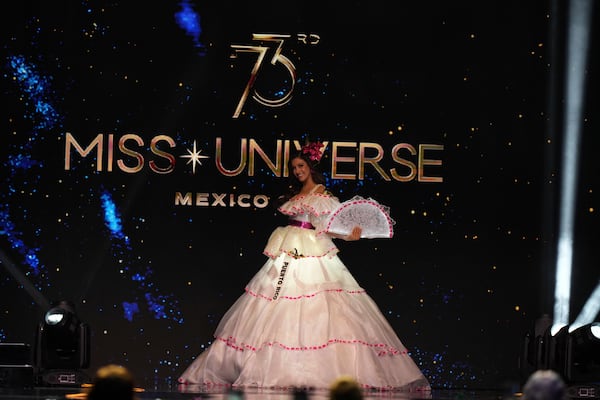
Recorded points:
(60, 316)
(62, 347)
(558, 356)
(583, 354)
(572, 353)
(578, 39)
(590, 310)
(538, 351)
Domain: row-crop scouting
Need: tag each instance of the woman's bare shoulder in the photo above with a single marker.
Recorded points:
(320, 188)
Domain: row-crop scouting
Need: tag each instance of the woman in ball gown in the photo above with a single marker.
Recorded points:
(303, 320)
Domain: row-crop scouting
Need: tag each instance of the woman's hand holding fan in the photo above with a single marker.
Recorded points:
(373, 218)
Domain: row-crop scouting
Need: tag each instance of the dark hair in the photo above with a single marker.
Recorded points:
(345, 388)
(112, 382)
(295, 185)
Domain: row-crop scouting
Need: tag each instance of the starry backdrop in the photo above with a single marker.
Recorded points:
(470, 265)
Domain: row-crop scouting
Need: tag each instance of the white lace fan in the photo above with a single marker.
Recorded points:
(372, 217)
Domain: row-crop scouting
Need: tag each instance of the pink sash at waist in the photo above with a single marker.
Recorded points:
(301, 224)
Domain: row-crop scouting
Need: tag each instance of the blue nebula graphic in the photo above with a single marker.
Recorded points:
(38, 90)
(111, 217)
(130, 309)
(161, 306)
(189, 21)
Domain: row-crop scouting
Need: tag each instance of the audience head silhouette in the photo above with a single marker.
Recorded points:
(112, 382)
(545, 385)
(345, 388)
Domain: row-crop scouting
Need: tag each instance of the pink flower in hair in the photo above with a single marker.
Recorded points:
(313, 150)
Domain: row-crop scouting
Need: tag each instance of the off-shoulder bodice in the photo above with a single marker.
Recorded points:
(298, 241)
(312, 207)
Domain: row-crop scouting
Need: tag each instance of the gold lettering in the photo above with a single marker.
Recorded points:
(411, 166)
(70, 141)
(241, 201)
(218, 155)
(134, 154)
(260, 201)
(162, 154)
(349, 160)
(335, 159)
(183, 200)
(427, 161)
(202, 199)
(255, 148)
(218, 199)
(109, 161)
(363, 159)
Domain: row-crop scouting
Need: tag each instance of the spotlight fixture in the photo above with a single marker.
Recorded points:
(537, 348)
(574, 353)
(583, 354)
(62, 346)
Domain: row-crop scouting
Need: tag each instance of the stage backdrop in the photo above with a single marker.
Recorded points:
(144, 144)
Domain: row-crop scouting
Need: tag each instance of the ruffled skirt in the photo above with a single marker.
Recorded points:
(304, 322)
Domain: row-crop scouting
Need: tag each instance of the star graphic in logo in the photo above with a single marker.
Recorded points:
(194, 157)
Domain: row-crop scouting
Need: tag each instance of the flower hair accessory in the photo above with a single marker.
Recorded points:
(313, 150)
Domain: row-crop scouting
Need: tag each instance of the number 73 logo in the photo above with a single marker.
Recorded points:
(278, 58)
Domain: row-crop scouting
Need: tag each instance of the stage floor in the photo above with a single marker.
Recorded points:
(70, 393)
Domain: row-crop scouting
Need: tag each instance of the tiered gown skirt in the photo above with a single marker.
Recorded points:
(303, 322)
